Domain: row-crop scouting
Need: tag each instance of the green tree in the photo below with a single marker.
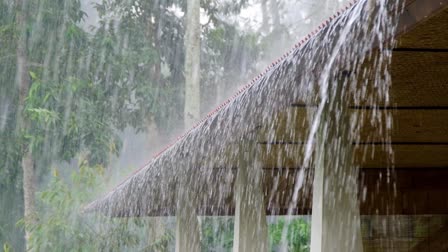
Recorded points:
(63, 105)
(62, 225)
(217, 234)
(151, 30)
(79, 89)
(298, 234)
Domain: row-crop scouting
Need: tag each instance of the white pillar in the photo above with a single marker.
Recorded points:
(335, 223)
(251, 230)
(187, 224)
(187, 227)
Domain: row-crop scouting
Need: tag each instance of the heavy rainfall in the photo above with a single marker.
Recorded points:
(213, 125)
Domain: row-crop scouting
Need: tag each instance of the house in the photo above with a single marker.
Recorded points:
(348, 126)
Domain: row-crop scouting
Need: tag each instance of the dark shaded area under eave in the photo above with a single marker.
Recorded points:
(204, 161)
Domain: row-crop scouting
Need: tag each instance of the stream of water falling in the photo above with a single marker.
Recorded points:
(351, 53)
(354, 72)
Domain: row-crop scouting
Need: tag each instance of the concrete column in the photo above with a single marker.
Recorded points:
(187, 227)
(251, 230)
(156, 231)
(335, 224)
(187, 224)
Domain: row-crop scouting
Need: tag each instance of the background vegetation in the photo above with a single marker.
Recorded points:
(86, 83)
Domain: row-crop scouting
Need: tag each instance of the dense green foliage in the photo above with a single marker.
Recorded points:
(298, 234)
(217, 234)
(63, 227)
(86, 87)
(70, 109)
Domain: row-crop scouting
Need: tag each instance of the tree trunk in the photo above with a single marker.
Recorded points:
(264, 15)
(29, 190)
(275, 14)
(192, 64)
(23, 83)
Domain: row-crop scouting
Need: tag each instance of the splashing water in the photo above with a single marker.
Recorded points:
(304, 116)
(342, 65)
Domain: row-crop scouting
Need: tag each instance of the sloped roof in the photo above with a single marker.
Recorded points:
(206, 157)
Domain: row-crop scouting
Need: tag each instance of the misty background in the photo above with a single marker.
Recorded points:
(113, 72)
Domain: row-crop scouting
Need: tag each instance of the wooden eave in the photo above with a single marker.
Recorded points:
(419, 138)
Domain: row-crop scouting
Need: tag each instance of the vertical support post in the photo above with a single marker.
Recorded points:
(335, 223)
(187, 230)
(187, 224)
(250, 230)
(157, 231)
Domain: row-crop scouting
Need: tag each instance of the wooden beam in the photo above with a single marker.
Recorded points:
(419, 26)
(404, 156)
(419, 78)
(367, 156)
(409, 124)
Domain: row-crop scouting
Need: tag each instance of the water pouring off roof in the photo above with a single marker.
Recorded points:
(275, 112)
